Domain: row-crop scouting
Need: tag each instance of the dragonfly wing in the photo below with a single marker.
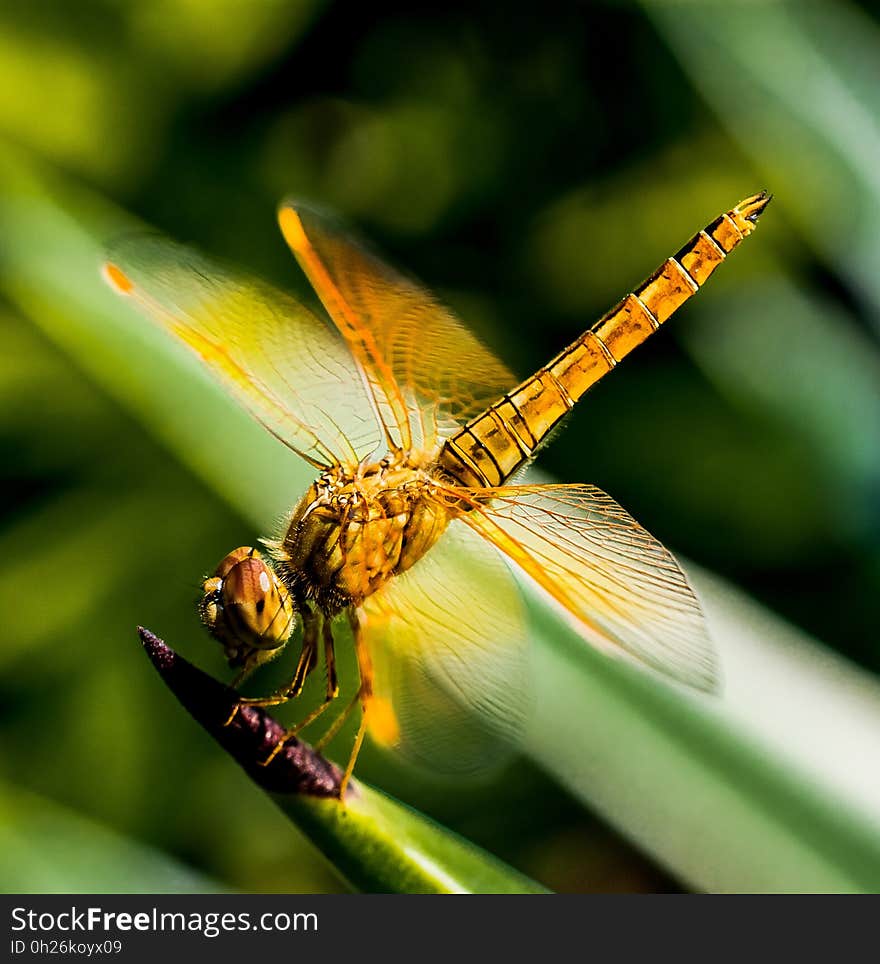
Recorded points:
(427, 372)
(625, 590)
(448, 644)
(284, 364)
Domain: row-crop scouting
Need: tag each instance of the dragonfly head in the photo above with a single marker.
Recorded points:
(247, 608)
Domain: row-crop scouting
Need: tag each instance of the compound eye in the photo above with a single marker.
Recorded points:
(230, 561)
(246, 606)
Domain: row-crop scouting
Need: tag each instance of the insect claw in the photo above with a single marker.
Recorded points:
(279, 746)
(233, 714)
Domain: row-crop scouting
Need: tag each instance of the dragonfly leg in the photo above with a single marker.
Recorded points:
(306, 663)
(330, 660)
(364, 695)
(331, 694)
(241, 676)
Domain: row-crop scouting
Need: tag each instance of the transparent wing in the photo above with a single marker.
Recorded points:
(284, 364)
(427, 372)
(625, 590)
(448, 644)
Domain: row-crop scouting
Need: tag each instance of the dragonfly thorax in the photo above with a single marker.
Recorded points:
(355, 529)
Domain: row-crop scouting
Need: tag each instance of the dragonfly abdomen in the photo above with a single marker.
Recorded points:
(493, 445)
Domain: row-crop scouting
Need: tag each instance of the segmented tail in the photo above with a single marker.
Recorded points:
(493, 445)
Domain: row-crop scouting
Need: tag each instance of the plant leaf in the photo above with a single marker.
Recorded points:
(376, 843)
(50, 850)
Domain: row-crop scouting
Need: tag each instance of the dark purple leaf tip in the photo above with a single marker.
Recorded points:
(250, 736)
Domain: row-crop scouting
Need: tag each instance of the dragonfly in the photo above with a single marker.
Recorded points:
(418, 528)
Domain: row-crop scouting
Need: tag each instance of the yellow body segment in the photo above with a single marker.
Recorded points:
(494, 444)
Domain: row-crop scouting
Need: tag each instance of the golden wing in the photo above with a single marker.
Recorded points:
(625, 590)
(285, 365)
(448, 643)
(426, 372)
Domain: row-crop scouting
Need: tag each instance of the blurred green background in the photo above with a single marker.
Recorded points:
(531, 167)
